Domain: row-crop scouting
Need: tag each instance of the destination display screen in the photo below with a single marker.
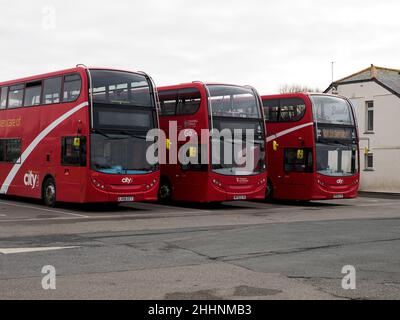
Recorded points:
(122, 118)
(336, 133)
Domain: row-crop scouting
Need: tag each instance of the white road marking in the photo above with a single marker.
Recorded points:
(26, 250)
(43, 209)
(159, 215)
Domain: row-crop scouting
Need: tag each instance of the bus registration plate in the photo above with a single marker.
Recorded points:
(239, 197)
(338, 196)
(126, 199)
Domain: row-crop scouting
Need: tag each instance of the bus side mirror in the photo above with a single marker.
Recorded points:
(275, 145)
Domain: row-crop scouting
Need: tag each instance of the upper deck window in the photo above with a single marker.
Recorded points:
(168, 102)
(52, 90)
(118, 87)
(15, 96)
(284, 110)
(189, 100)
(33, 91)
(3, 97)
(72, 87)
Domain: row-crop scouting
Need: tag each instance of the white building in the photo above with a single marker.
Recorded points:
(375, 93)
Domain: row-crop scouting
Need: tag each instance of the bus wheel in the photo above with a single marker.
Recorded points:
(269, 194)
(49, 193)
(165, 192)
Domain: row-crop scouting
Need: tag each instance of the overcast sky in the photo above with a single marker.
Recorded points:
(261, 43)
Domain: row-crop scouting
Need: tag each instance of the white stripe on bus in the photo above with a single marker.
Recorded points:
(285, 132)
(33, 145)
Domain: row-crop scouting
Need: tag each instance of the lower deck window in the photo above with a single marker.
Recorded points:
(298, 160)
(73, 151)
(10, 150)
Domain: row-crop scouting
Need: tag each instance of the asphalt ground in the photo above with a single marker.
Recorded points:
(238, 250)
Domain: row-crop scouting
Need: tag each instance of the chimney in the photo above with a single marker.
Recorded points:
(374, 72)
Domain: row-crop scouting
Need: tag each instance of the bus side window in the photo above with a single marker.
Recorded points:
(298, 160)
(271, 110)
(73, 151)
(52, 90)
(291, 109)
(10, 150)
(33, 90)
(15, 96)
(3, 97)
(2, 150)
(189, 100)
(168, 102)
(72, 87)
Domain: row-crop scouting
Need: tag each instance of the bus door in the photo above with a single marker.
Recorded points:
(73, 163)
(188, 123)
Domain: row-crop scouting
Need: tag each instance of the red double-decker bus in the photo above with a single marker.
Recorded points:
(78, 135)
(313, 147)
(196, 107)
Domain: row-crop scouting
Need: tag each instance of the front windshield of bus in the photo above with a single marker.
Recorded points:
(236, 108)
(119, 154)
(337, 160)
(336, 136)
(233, 101)
(123, 112)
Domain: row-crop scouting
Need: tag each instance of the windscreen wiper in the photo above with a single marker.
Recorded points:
(342, 143)
(133, 135)
(102, 133)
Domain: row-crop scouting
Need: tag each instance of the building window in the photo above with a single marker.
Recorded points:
(369, 161)
(370, 116)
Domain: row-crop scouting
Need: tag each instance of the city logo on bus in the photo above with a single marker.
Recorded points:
(127, 180)
(31, 179)
(340, 181)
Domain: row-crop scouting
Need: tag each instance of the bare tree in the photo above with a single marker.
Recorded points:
(294, 88)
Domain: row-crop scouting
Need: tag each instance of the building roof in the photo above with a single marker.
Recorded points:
(386, 77)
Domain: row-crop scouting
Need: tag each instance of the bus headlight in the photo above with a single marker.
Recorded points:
(98, 184)
(217, 183)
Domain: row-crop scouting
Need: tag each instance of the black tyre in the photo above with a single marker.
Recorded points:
(49, 193)
(165, 192)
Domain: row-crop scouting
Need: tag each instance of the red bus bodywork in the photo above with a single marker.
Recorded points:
(301, 135)
(40, 129)
(205, 186)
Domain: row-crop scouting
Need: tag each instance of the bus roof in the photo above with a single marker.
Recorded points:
(197, 84)
(78, 68)
(300, 94)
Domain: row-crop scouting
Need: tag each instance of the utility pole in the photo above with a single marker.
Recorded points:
(333, 64)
